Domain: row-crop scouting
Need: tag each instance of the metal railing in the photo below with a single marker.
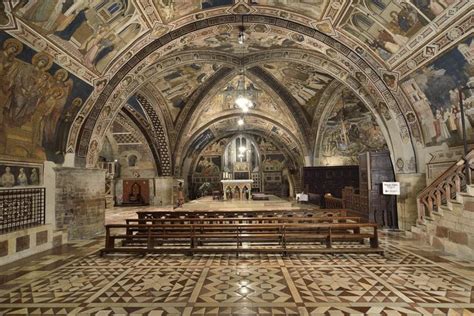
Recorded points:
(21, 208)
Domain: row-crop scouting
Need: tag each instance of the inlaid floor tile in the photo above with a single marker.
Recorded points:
(427, 284)
(174, 260)
(392, 255)
(317, 259)
(63, 285)
(152, 285)
(248, 310)
(244, 284)
(410, 279)
(340, 284)
(246, 259)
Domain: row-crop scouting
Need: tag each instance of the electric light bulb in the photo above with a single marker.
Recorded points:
(241, 38)
(245, 109)
(242, 149)
(240, 122)
(241, 101)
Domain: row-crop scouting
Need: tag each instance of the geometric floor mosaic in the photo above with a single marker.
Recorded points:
(77, 281)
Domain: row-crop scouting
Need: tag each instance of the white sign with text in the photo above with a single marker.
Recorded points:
(391, 188)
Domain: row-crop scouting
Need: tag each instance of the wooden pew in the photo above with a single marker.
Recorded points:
(190, 238)
(238, 220)
(146, 214)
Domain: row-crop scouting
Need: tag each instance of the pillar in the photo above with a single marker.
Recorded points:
(164, 195)
(410, 185)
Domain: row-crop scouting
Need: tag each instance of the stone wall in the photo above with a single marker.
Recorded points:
(410, 185)
(451, 229)
(80, 201)
(26, 242)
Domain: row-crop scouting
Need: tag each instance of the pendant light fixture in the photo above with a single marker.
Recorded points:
(242, 101)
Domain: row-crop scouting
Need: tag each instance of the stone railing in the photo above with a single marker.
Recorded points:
(444, 188)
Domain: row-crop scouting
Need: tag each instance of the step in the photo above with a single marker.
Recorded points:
(454, 205)
(463, 197)
(419, 229)
(470, 189)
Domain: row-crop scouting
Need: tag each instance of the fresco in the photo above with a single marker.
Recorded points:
(38, 100)
(265, 145)
(305, 83)
(224, 100)
(273, 162)
(202, 141)
(209, 166)
(350, 130)
(311, 8)
(216, 148)
(225, 38)
(434, 92)
(387, 25)
(178, 84)
(96, 30)
(4, 20)
(173, 9)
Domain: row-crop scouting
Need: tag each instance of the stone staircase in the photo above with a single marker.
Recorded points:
(446, 213)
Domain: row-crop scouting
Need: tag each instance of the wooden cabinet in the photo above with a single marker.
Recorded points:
(330, 179)
(375, 168)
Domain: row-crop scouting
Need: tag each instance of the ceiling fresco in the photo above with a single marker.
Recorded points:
(170, 10)
(93, 32)
(224, 38)
(310, 8)
(377, 47)
(223, 101)
(178, 84)
(305, 83)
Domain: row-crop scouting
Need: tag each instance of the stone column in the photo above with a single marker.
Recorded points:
(225, 192)
(50, 185)
(164, 192)
(410, 185)
(80, 201)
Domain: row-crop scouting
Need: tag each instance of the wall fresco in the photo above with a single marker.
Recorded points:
(434, 93)
(38, 100)
(350, 129)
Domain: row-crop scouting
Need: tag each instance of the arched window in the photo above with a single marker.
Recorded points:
(132, 160)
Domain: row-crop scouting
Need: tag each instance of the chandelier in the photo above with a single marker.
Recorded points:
(242, 101)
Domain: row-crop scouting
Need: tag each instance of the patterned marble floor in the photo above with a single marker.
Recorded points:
(409, 280)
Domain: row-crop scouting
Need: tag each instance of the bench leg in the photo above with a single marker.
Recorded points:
(329, 241)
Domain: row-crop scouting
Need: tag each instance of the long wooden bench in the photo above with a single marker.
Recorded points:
(285, 238)
(146, 214)
(238, 221)
(248, 220)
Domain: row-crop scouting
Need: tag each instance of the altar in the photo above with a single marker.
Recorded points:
(237, 189)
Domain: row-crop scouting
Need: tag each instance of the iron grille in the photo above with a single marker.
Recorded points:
(21, 208)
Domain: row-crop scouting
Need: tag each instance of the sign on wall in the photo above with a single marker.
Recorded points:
(391, 188)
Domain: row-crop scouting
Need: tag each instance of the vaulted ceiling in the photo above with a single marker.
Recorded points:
(183, 59)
